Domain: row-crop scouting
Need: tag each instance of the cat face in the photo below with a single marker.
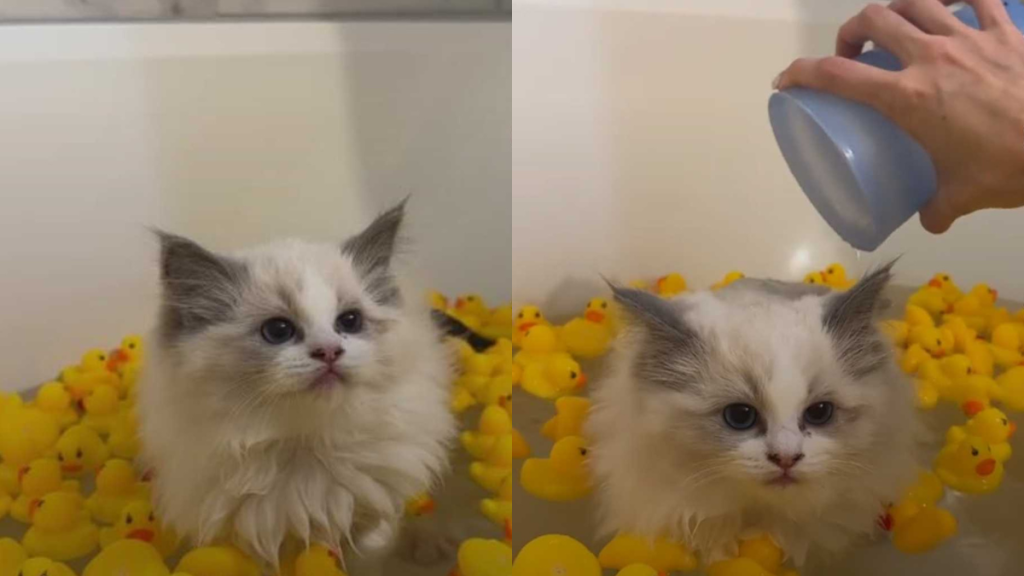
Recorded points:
(291, 318)
(765, 386)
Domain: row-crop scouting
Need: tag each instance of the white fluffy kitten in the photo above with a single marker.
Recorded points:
(764, 407)
(293, 391)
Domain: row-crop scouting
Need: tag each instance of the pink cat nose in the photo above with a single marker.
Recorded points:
(785, 461)
(327, 355)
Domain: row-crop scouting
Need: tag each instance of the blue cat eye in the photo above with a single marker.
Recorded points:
(819, 414)
(740, 416)
(349, 322)
(277, 331)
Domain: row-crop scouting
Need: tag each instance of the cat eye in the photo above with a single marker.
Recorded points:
(819, 414)
(277, 331)
(349, 322)
(740, 416)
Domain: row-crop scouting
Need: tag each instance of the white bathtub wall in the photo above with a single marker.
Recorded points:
(624, 137)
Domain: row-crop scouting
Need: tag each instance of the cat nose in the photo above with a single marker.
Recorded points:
(785, 461)
(326, 354)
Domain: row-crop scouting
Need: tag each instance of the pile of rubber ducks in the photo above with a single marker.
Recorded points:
(80, 430)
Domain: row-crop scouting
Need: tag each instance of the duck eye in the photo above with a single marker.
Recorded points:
(152, 518)
(128, 519)
(60, 457)
(938, 342)
(536, 314)
(520, 315)
(974, 451)
(1004, 422)
(572, 375)
(604, 304)
(583, 451)
(78, 453)
(132, 345)
(470, 298)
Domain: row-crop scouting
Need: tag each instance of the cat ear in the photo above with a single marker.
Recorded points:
(671, 351)
(200, 288)
(850, 319)
(372, 250)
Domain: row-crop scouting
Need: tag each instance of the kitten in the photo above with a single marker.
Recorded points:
(763, 406)
(293, 391)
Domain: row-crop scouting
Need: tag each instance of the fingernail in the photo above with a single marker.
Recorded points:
(777, 81)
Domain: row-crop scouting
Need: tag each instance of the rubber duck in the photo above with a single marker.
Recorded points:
(471, 310)
(981, 357)
(1010, 389)
(944, 282)
(217, 561)
(538, 344)
(527, 317)
(815, 278)
(976, 302)
(491, 442)
(835, 277)
(962, 333)
(422, 504)
(659, 553)
(61, 529)
(124, 434)
(570, 414)
(913, 358)
(968, 466)
(763, 550)
(133, 557)
(972, 393)
(916, 316)
(497, 391)
(44, 567)
(926, 394)
(916, 523)
(317, 560)
(137, 521)
(938, 342)
(504, 350)
(25, 435)
(562, 476)
(590, 335)
(670, 285)
(53, 399)
(497, 510)
(37, 479)
(437, 300)
(461, 400)
(90, 372)
(555, 555)
(931, 300)
(101, 409)
(992, 426)
(129, 352)
(897, 331)
(1006, 346)
(80, 450)
(489, 476)
(12, 555)
(558, 376)
(500, 323)
(480, 557)
(729, 279)
(117, 485)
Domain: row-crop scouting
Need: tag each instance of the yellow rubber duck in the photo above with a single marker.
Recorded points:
(962, 333)
(492, 441)
(489, 476)
(670, 285)
(437, 300)
(82, 379)
(977, 301)
(37, 479)
(558, 376)
(1010, 389)
(117, 485)
(480, 557)
(26, 434)
(981, 357)
(926, 394)
(54, 399)
(570, 415)
(562, 476)
(1006, 346)
(912, 359)
(500, 323)
(129, 353)
(992, 426)
(527, 317)
(80, 450)
(44, 567)
(555, 555)
(931, 300)
(590, 335)
(496, 392)
(968, 466)
(916, 523)
(659, 553)
(461, 400)
(133, 557)
(471, 310)
(938, 342)
(61, 529)
(137, 521)
(317, 560)
(497, 510)
(124, 434)
(504, 350)
(916, 316)
(897, 331)
(218, 561)
(944, 282)
(422, 504)
(835, 277)
(101, 409)
(729, 279)
(538, 345)
(972, 393)
(815, 278)
(12, 555)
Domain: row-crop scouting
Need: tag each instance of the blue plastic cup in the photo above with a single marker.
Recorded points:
(861, 171)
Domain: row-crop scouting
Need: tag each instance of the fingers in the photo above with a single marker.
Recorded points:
(991, 13)
(882, 26)
(932, 16)
(939, 214)
(843, 77)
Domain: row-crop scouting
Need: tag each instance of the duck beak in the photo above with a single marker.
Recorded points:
(581, 381)
(985, 467)
(459, 303)
(995, 293)
(1013, 429)
(594, 316)
(526, 326)
(32, 507)
(21, 473)
(141, 534)
(972, 407)
(935, 283)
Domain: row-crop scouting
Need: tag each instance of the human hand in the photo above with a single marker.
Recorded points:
(960, 95)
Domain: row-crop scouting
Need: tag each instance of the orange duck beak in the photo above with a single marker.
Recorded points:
(594, 316)
(985, 467)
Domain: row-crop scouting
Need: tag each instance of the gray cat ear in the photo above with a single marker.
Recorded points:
(671, 352)
(372, 250)
(849, 318)
(200, 288)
